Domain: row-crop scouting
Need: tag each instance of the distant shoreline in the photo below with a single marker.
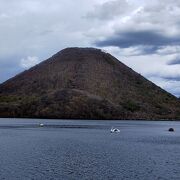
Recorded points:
(10, 118)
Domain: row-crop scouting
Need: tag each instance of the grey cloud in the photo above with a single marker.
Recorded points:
(9, 67)
(145, 25)
(9, 72)
(151, 40)
(175, 77)
(39, 28)
(169, 83)
(175, 61)
(109, 9)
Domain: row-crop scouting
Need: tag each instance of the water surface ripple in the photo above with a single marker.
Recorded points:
(65, 149)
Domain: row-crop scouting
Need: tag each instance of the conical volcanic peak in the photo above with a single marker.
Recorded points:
(76, 51)
(85, 83)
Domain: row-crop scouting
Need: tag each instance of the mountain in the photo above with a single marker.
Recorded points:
(85, 83)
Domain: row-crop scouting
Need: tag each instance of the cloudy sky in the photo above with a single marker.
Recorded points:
(142, 34)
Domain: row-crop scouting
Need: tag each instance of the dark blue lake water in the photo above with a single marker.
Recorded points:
(65, 149)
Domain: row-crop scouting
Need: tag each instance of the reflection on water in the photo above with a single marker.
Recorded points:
(64, 149)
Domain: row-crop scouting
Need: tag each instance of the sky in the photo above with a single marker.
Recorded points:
(142, 34)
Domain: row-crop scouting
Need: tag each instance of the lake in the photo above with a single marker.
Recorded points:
(81, 149)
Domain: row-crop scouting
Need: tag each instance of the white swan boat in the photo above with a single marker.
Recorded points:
(115, 130)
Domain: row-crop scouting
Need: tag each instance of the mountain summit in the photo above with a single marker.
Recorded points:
(85, 83)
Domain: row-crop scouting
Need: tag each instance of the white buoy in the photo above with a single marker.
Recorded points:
(41, 124)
